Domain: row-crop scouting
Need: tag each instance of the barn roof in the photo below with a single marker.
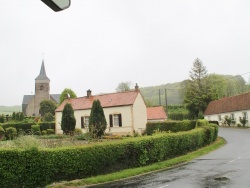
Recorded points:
(106, 100)
(229, 104)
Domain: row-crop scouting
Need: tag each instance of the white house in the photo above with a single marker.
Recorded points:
(125, 112)
(235, 107)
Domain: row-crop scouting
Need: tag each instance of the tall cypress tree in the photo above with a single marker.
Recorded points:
(97, 121)
(68, 122)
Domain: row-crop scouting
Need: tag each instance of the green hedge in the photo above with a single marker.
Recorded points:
(173, 126)
(27, 126)
(214, 122)
(179, 116)
(37, 168)
(47, 125)
(202, 122)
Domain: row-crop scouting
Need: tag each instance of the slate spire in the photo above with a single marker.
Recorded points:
(42, 75)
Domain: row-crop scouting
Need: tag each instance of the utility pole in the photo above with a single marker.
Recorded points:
(166, 98)
(159, 97)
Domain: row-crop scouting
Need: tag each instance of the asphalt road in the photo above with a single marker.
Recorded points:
(227, 167)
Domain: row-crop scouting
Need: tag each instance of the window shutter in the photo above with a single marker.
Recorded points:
(120, 120)
(82, 122)
(111, 120)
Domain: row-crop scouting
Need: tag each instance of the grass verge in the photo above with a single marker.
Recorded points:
(142, 170)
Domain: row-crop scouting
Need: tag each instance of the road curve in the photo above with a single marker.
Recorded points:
(227, 167)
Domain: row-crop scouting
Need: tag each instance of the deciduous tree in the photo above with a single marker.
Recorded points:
(123, 86)
(67, 93)
(47, 106)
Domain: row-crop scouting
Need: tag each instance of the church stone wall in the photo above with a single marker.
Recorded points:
(30, 108)
(42, 93)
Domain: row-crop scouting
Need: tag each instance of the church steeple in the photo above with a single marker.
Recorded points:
(42, 75)
(42, 89)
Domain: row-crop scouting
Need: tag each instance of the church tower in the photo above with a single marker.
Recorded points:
(42, 89)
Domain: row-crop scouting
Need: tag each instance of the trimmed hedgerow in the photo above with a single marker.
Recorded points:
(37, 168)
(202, 122)
(173, 126)
(214, 122)
(19, 126)
(26, 127)
(47, 125)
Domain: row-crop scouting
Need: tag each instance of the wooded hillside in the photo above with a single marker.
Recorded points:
(224, 85)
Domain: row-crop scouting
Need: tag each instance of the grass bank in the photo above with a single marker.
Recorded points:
(141, 170)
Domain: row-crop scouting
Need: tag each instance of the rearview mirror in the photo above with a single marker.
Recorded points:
(57, 5)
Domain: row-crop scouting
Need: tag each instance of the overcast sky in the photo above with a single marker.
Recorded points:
(97, 44)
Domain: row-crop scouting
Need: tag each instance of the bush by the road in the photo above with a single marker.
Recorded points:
(39, 167)
(173, 126)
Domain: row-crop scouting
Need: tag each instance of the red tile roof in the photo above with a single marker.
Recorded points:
(229, 104)
(107, 100)
(154, 113)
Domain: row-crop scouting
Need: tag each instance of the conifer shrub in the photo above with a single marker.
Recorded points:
(68, 121)
(97, 120)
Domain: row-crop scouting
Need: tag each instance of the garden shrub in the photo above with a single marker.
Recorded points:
(36, 129)
(19, 125)
(202, 122)
(2, 133)
(50, 131)
(85, 136)
(27, 142)
(47, 125)
(44, 132)
(11, 133)
(2, 118)
(78, 131)
(20, 132)
(26, 127)
(48, 117)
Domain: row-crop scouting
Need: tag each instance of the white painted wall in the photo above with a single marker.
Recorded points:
(127, 122)
(134, 118)
(139, 114)
(237, 115)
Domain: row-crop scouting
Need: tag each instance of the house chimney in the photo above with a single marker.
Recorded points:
(136, 87)
(89, 93)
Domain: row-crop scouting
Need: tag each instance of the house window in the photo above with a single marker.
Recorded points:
(244, 114)
(232, 116)
(115, 120)
(219, 117)
(84, 122)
